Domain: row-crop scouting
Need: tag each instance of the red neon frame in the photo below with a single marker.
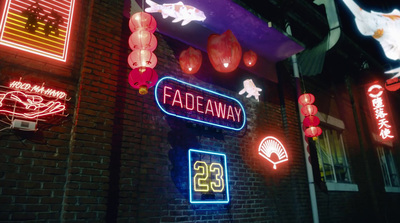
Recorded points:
(14, 34)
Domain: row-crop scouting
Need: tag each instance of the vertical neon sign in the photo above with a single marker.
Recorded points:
(40, 27)
(208, 177)
(380, 112)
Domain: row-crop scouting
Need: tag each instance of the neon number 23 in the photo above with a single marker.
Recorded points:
(201, 179)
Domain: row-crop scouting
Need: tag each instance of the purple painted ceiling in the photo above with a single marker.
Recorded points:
(251, 32)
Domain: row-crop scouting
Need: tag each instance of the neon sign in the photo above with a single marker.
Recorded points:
(251, 89)
(187, 101)
(208, 177)
(381, 115)
(40, 27)
(21, 103)
(271, 145)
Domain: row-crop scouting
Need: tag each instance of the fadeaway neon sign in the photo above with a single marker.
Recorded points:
(31, 101)
(190, 102)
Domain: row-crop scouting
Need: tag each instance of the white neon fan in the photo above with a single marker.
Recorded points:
(270, 145)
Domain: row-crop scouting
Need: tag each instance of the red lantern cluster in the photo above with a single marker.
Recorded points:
(224, 51)
(142, 59)
(190, 60)
(310, 122)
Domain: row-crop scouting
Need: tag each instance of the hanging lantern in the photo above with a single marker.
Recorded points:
(143, 40)
(190, 60)
(309, 110)
(224, 51)
(249, 58)
(142, 21)
(306, 99)
(142, 58)
(143, 79)
(311, 121)
(313, 132)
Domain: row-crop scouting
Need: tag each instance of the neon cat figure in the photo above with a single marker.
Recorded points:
(29, 106)
(385, 28)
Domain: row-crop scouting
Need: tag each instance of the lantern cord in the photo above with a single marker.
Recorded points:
(302, 83)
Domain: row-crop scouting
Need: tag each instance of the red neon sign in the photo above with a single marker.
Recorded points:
(20, 102)
(40, 27)
(271, 145)
(380, 112)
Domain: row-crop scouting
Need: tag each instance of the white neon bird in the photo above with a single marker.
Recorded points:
(179, 11)
(251, 89)
(385, 28)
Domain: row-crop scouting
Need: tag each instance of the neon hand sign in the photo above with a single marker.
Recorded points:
(40, 27)
(271, 145)
(190, 102)
(381, 115)
(208, 177)
(251, 89)
(20, 102)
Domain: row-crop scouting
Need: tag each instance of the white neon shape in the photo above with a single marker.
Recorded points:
(30, 102)
(49, 92)
(385, 28)
(225, 178)
(197, 120)
(36, 50)
(375, 86)
(271, 145)
(251, 89)
(201, 176)
(395, 71)
(219, 177)
(178, 10)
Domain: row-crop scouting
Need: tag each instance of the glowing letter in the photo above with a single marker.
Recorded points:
(238, 113)
(209, 107)
(199, 104)
(200, 179)
(186, 101)
(165, 93)
(219, 177)
(218, 109)
(230, 113)
(177, 95)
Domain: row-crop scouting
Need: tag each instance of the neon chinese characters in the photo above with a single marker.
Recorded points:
(187, 101)
(381, 115)
(271, 145)
(208, 177)
(40, 27)
(29, 101)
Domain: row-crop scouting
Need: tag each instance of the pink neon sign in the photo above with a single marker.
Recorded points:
(40, 27)
(20, 102)
(187, 101)
(380, 112)
(271, 145)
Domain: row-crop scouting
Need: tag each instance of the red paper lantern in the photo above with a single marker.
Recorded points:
(224, 51)
(311, 121)
(142, 21)
(143, 40)
(142, 58)
(306, 99)
(249, 58)
(309, 110)
(190, 60)
(313, 132)
(143, 79)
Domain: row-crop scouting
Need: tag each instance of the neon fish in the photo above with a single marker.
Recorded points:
(179, 11)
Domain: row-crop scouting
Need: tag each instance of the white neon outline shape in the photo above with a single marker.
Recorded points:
(29, 49)
(190, 178)
(375, 86)
(196, 120)
(204, 172)
(265, 149)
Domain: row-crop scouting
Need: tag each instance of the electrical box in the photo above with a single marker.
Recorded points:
(23, 125)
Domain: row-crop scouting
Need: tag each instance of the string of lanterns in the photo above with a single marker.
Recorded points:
(310, 122)
(142, 60)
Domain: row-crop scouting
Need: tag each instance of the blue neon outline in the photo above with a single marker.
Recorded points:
(196, 120)
(190, 178)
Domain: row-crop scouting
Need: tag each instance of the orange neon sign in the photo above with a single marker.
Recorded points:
(40, 27)
(271, 145)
